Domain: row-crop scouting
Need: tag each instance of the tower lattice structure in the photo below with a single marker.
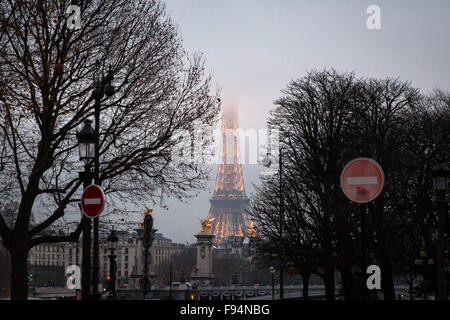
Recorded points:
(229, 201)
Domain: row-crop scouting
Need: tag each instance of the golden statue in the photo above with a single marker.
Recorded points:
(146, 212)
(206, 224)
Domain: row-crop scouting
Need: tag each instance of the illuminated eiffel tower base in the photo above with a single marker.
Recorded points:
(229, 201)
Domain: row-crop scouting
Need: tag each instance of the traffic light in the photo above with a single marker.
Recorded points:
(108, 283)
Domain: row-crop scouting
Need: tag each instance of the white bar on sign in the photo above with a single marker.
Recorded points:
(362, 180)
(93, 201)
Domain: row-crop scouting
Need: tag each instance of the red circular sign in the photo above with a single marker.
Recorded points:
(92, 201)
(362, 180)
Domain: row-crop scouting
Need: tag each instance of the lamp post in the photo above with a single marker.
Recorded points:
(170, 279)
(268, 162)
(272, 271)
(440, 173)
(86, 147)
(112, 244)
(103, 87)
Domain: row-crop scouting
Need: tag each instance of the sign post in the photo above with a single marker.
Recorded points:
(362, 181)
(92, 201)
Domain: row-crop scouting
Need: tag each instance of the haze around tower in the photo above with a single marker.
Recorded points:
(254, 48)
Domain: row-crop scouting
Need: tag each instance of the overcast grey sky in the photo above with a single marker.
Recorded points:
(255, 47)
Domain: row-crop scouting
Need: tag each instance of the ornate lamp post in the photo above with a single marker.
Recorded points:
(170, 279)
(103, 87)
(267, 162)
(272, 271)
(86, 147)
(112, 244)
(440, 173)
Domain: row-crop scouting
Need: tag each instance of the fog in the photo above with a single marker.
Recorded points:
(255, 47)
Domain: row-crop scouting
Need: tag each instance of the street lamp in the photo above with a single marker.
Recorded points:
(112, 245)
(86, 148)
(170, 279)
(86, 142)
(267, 162)
(272, 271)
(440, 173)
(102, 87)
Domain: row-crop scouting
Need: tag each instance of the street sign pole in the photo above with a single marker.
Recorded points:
(92, 202)
(362, 180)
(86, 246)
(365, 264)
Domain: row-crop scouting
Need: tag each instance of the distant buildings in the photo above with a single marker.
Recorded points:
(46, 265)
(48, 262)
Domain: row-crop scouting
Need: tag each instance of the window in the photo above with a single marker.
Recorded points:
(126, 250)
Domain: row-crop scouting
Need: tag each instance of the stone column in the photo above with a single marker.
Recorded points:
(138, 263)
(202, 274)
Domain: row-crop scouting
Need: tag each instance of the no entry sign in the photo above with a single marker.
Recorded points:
(92, 201)
(362, 180)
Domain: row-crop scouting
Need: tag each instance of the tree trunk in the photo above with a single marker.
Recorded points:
(347, 284)
(384, 256)
(387, 281)
(19, 281)
(305, 289)
(328, 278)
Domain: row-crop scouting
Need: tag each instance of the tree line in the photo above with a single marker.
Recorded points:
(324, 120)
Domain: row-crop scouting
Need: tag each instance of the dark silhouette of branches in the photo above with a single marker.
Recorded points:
(47, 74)
(326, 119)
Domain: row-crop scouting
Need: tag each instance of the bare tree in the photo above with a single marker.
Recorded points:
(326, 119)
(46, 80)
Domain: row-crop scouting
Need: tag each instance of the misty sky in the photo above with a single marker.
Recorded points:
(255, 47)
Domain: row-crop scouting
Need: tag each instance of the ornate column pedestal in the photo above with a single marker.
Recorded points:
(202, 275)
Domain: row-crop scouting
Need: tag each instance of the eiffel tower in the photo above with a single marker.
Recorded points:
(229, 201)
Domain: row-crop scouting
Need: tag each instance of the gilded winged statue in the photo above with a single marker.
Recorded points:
(146, 212)
(206, 224)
